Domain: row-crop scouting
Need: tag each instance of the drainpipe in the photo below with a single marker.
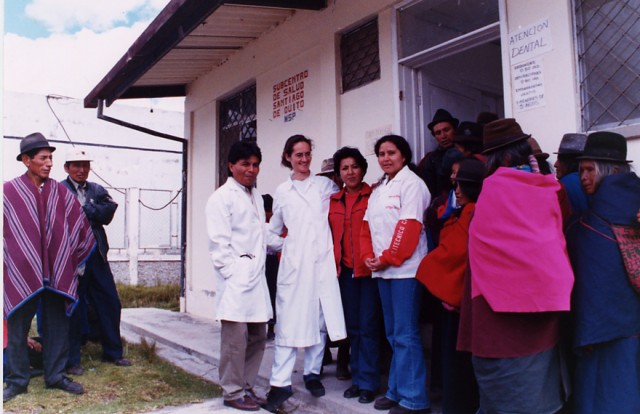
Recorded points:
(183, 218)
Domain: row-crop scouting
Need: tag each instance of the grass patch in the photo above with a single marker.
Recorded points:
(162, 296)
(150, 383)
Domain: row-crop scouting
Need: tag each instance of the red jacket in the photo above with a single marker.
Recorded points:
(337, 211)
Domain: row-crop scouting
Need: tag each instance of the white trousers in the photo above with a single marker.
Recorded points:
(285, 358)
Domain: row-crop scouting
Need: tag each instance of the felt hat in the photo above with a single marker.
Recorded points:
(500, 133)
(468, 132)
(471, 170)
(442, 115)
(484, 118)
(572, 144)
(326, 168)
(605, 146)
(33, 141)
(535, 147)
(77, 154)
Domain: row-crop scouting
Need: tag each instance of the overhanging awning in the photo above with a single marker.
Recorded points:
(187, 40)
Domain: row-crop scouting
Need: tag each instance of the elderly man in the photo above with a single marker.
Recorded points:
(47, 238)
(237, 244)
(97, 288)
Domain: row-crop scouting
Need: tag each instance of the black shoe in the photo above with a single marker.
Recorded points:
(313, 384)
(384, 403)
(276, 397)
(68, 385)
(398, 409)
(9, 392)
(76, 370)
(366, 396)
(119, 362)
(352, 392)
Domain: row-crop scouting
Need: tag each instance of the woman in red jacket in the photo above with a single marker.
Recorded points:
(360, 298)
(442, 272)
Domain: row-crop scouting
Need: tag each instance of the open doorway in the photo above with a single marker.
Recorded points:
(450, 57)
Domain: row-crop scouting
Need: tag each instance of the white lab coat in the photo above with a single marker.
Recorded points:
(307, 276)
(237, 244)
(406, 197)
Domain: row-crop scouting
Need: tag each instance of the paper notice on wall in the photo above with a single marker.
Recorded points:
(528, 85)
(372, 135)
(530, 41)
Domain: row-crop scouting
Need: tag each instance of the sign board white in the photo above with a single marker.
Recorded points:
(530, 42)
(528, 85)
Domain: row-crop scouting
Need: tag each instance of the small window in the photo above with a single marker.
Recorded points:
(359, 56)
(237, 123)
(608, 35)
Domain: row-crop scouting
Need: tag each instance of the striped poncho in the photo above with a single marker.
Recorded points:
(46, 236)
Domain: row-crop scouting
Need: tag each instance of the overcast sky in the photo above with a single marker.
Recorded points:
(65, 47)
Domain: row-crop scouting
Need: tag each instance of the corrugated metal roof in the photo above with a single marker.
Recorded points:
(187, 40)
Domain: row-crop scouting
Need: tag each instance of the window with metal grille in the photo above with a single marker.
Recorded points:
(608, 35)
(359, 56)
(237, 122)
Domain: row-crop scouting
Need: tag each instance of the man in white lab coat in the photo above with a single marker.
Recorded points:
(236, 227)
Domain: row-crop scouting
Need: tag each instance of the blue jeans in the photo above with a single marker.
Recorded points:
(408, 372)
(361, 304)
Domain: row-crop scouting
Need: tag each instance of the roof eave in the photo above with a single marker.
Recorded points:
(170, 27)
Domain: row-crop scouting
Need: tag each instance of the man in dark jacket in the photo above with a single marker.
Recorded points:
(97, 287)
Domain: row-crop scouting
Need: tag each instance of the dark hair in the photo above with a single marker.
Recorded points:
(570, 162)
(509, 156)
(242, 150)
(471, 146)
(288, 148)
(349, 152)
(470, 189)
(399, 142)
(32, 153)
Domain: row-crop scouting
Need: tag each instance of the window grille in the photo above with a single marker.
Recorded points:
(359, 56)
(608, 36)
(237, 122)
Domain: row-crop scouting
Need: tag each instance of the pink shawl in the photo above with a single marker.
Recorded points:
(517, 250)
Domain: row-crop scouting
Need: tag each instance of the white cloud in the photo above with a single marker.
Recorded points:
(70, 15)
(68, 65)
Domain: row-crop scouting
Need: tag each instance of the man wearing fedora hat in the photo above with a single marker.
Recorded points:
(97, 289)
(47, 239)
(443, 129)
(605, 306)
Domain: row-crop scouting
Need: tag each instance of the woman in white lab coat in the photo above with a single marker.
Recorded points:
(393, 243)
(308, 303)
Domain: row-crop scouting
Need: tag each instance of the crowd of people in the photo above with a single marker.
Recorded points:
(522, 275)
(525, 283)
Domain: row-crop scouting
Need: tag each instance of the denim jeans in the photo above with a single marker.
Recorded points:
(408, 373)
(362, 314)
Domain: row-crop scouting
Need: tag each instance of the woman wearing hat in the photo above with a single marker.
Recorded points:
(442, 272)
(392, 244)
(520, 281)
(606, 309)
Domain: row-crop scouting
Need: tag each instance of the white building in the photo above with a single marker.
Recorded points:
(345, 72)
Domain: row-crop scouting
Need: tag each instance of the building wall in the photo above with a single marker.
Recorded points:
(308, 43)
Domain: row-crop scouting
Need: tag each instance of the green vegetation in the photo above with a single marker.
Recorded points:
(161, 297)
(150, 383)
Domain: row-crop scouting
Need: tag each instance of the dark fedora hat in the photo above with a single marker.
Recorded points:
(33, 141)
(442, 115)
(471, 170)
(535, 148)
(468, 132)
(605, 146)
(500, 133)
(572, 144)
